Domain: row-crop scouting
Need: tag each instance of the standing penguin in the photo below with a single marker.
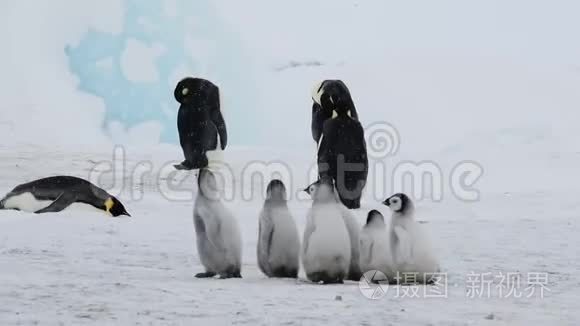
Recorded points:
(412, 252)
(278, 242)
(199, 121)
(322, 106)
(375, 249)
(353, 228)
(57, 193)
(326, 245)
(342, 153)
(219, 242)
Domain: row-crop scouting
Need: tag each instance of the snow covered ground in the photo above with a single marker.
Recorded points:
(84, 268)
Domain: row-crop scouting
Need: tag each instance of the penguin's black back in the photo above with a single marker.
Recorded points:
(343, 141)
(196, 129)
(51, 188)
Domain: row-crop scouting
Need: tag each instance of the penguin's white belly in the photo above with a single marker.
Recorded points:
(421, 260)
(26, 202)
(376, 254)
(82, 207)
(329, 244)
(215, 158)
(226, 237)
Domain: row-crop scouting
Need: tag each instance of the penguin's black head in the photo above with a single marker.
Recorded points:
(399, 203)
(196, 91)
(375, 216)
(114, 207)
(333, 95)
(276, 190)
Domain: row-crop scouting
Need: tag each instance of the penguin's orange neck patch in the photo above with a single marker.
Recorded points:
(108, 205)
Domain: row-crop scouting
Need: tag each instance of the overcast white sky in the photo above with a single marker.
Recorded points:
(529, 30)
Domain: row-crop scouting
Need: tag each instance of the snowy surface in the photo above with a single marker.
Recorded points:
(86, 268)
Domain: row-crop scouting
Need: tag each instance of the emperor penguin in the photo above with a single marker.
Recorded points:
(375, 249)
(323, 95)
(353, 228)
(342, 152)
(202, 128)
(219, 242)
(326, 248)
(413, 255)
(57, 193)
(278, 241)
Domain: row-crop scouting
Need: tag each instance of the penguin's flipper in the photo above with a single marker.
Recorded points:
(404, 249)
(63, 201)
(218, 120)
(317, 122)
(217, 117)
(265, 232)
(310, 228)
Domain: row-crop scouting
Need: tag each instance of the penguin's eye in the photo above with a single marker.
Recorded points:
(184, 91)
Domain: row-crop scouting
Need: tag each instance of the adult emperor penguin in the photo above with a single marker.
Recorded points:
(342, 153)
(326, 245)
(412, 252)
(353, 228)
(323, 96)
(219, 242)
(54, 194)
(278, 242)
(375, 249)
(199, 121)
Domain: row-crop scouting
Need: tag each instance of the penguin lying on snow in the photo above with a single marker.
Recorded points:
(54, 194)
(219, 241)
(323, 96)
(414, 259)
(278, 243)
(199, 121)
(326, 254)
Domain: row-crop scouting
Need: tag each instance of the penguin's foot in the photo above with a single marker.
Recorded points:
(354, 276)
(185, 165)
(230, 275)
(231, 272)
(335, 281)
(283, 272)
(205, 275)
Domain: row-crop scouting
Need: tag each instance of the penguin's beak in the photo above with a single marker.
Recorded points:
(307, 190)
(386, 202)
